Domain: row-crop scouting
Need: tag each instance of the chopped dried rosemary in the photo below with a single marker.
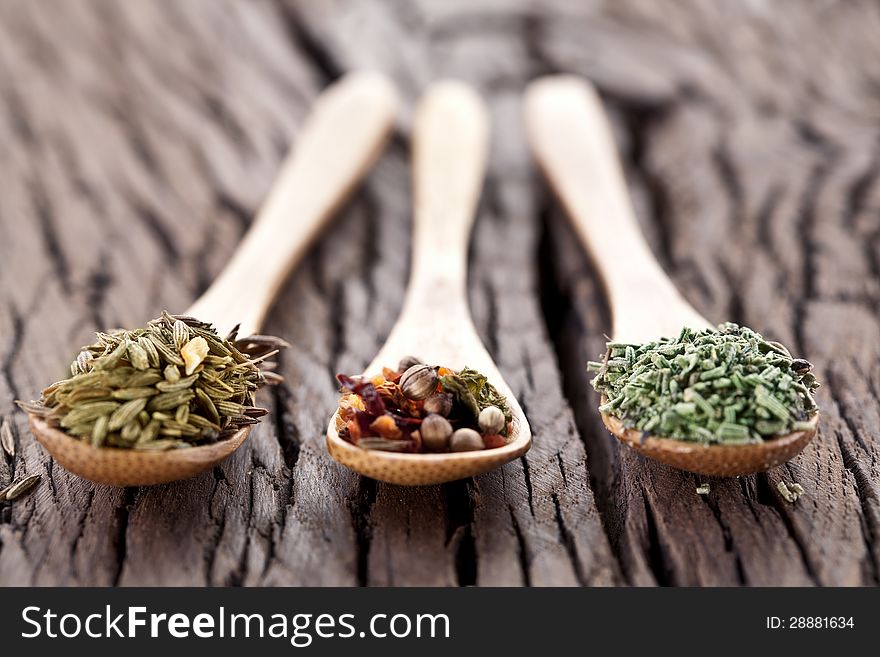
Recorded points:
(717, 386)
(790, 492)
(174, 383)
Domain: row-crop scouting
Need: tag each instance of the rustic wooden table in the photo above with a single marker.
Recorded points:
(139, 138)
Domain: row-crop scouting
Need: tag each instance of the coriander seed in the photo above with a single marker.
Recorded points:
(466, 440)
(491, 420)
(435, 432)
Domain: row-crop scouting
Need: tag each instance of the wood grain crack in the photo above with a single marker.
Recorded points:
(656, 559)
(157, 229)
(727, 536)
(568, 541)
(859, 191)
(360, 508)
(99, 281)
(123, 515)
(769, 497)
(523, 553)
(312, 47)
(16, 338)
(51, 242)
(459, 530)
(868, 516)
(528, 481)
(219, 523)
(286, 431)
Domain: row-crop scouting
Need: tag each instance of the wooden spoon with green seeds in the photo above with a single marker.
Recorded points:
(341, 138)
(572, 142)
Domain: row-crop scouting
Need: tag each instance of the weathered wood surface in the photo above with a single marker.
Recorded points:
(138, 139)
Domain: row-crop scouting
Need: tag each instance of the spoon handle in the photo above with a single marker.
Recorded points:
(341, 138)
(450, 140)
(572, 142)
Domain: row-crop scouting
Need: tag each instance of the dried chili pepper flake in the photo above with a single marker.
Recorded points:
(391, 375)
(349, 382)
(364, 420)
(353, 430)
(373, 403)
(494, 440)
(405, 422)
(350, 403)
(385, 427)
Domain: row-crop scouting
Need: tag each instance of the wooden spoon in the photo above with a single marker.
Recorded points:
(572, 141)
(450, 143)
(341, 138)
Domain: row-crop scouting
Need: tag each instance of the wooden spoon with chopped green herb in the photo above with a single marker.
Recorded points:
(174, 398)
(450, 142)
(713, 400)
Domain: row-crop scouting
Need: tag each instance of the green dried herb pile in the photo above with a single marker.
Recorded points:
(716, 386)
(174, 383)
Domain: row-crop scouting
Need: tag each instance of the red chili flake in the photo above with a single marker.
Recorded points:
(367, 391)
(391, 375)
(352, 430)
(494, 440)
(395, 400)
(348, 382)
(364, 420)
(404, 422)
(372, 400)
(386, 427)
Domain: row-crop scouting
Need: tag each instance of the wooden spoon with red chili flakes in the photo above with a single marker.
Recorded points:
(450, 147)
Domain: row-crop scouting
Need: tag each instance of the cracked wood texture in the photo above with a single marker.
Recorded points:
(138, 140)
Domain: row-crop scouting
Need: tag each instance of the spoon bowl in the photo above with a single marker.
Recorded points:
(714, 460)
(450, 143)
(421, 469)
(128, 467)
(573, 144)
(427, 469)
(339, 141)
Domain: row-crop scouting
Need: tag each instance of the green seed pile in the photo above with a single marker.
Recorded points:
(174, 383)
(716, 386)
